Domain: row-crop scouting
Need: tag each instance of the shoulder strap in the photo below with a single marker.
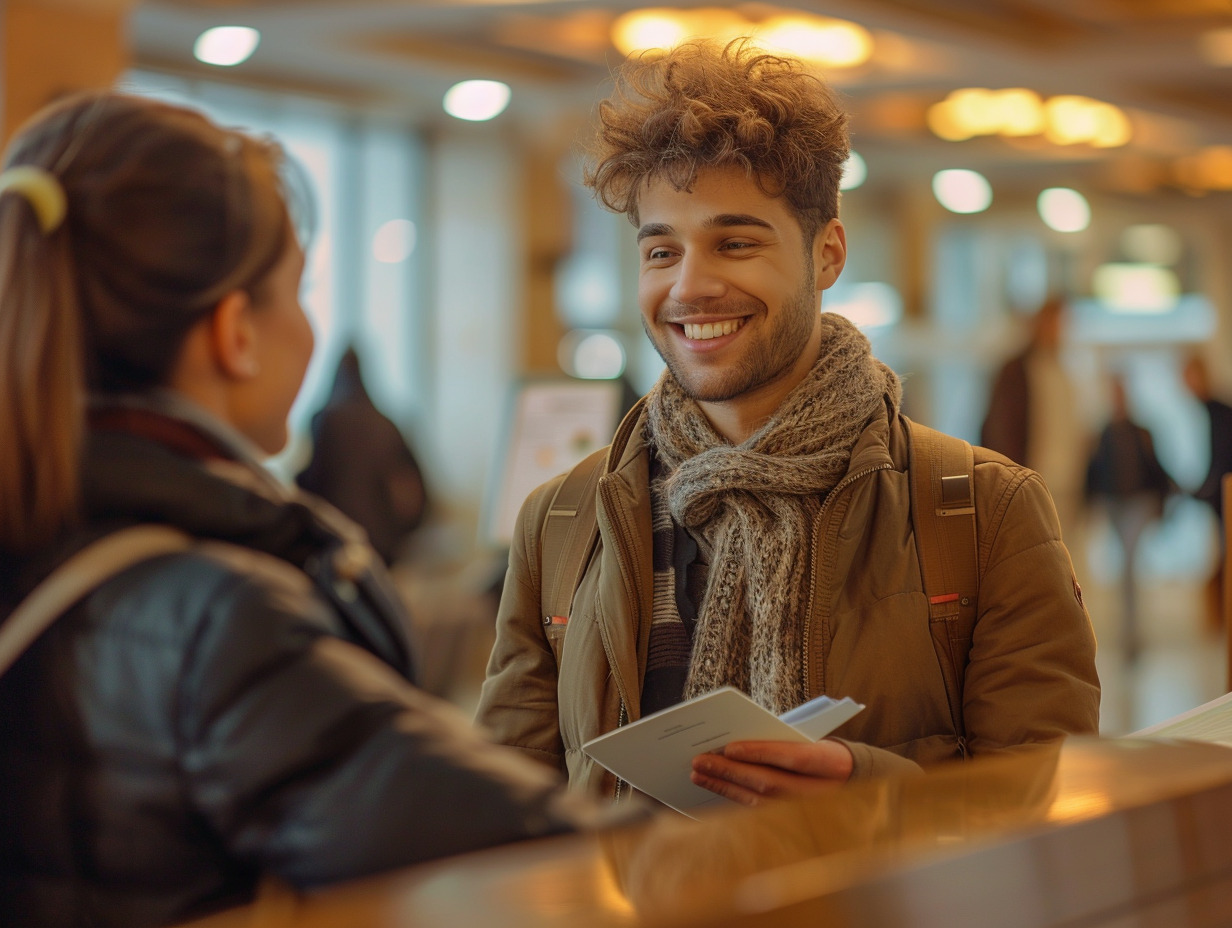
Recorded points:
(569, 534)
(78, 576)
(942, 477)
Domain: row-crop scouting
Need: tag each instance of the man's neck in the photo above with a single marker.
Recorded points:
(741, 416)
(737, 419)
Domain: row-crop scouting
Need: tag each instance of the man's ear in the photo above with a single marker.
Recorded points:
(829, 253)
(233, 338)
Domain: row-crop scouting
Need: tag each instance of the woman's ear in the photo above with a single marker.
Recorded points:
(829, 253)
(233, 337)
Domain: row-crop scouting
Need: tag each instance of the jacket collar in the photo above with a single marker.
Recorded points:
(882, 443)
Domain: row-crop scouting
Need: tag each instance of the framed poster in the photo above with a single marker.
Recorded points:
(552, 424)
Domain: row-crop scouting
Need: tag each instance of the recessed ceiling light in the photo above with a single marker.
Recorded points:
(226, 46)
(477, 101)
(1064, 209)
(962, 191)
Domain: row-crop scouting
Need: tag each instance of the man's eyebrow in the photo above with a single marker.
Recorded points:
(722, 220)
(737, 219)
(653, 228)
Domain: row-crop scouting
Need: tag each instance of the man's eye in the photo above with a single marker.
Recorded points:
(657, 254)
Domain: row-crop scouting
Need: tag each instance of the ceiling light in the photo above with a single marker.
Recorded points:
(1070, 120)
(477, 101)
(1064, 209)
(645, 29)
(1112, 128)
(1073, 119)
(226, 45)
(975, 109)
(945, 123)
(962, 191)
(832, 43)
(1020, 112)
(1017, 112)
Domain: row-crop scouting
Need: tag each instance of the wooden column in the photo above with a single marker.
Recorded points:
(49, 48)
(547, 230)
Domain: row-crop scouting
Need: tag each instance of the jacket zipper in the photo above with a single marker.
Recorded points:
(620, 784)
(813, 555)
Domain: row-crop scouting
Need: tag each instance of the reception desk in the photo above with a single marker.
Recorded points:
(1088, 833)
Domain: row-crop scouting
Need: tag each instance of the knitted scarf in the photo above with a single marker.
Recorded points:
(751, 508)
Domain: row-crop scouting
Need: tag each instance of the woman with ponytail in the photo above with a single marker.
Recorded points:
(242, 708)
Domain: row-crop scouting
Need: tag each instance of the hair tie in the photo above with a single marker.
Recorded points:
(41, 189)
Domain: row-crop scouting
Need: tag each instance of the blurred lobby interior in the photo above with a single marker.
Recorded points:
(1007, 150)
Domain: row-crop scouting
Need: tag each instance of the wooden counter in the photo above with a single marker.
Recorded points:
(1092, 833)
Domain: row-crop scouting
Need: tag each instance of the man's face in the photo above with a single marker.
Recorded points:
(729, 289)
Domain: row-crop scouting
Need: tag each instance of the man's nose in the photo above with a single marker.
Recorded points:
(697, 278)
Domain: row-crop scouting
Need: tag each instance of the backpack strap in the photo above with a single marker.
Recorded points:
(942, 478)
(82, 573)
(570, 531)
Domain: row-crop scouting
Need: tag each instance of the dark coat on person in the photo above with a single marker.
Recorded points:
(362, 464)
(1210, 491)
(1124, 465)
(237, 710)
(1007, 424)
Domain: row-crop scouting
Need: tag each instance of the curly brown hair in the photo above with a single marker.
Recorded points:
(702, 105)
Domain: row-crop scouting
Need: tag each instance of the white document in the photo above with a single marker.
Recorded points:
(1211, 721)
(655, 753)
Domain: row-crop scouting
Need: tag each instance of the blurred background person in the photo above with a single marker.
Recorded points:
(1219, 418)
(362, 464)
(1125, 477)
(1034, 417)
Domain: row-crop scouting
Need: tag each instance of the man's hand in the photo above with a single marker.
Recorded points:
(751, 772)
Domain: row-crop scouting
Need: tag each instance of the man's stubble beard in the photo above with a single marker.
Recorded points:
(765, 361)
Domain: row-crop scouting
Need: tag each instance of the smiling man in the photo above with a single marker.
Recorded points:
(754, 516)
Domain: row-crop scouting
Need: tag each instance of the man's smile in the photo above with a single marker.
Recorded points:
(707, 330)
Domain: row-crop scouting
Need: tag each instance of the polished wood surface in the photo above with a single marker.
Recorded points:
(1090, 833)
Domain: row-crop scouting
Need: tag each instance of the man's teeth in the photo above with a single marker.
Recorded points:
(711, 329)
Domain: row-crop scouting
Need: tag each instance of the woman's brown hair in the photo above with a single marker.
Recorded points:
(166, 214)
(701, 105)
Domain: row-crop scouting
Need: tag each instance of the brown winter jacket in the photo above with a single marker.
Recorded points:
(1031, 676)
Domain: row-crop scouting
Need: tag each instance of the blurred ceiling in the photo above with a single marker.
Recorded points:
(1166, 63)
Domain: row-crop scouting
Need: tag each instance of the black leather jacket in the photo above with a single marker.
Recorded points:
(243, 708)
